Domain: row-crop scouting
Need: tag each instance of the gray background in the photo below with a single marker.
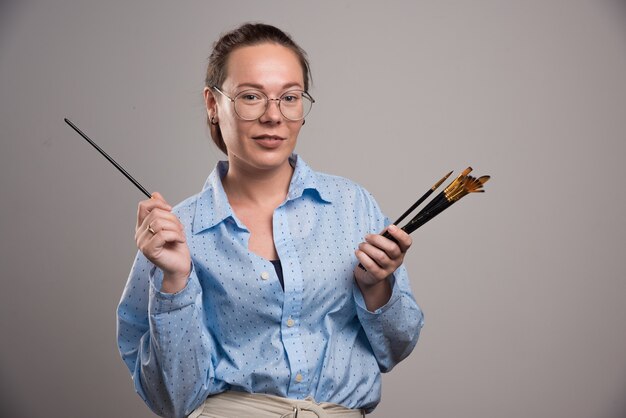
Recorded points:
(522, 287)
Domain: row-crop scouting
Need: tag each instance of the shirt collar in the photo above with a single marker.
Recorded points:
(212, 205)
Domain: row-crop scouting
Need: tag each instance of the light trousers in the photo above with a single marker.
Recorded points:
(232, 404)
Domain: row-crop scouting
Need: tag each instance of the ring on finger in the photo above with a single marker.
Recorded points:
(151, 229)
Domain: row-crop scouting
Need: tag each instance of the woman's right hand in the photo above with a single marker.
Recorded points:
(160, 236)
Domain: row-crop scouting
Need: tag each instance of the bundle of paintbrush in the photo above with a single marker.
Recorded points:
(461, 186)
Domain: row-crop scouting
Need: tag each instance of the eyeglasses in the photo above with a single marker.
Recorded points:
(251, 104)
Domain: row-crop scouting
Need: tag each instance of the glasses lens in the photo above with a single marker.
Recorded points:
(250, 104)
(295, 105)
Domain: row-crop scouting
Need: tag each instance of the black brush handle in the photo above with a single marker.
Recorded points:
(108, 157)
(419, 221)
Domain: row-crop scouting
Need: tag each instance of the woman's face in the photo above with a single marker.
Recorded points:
(265, 143)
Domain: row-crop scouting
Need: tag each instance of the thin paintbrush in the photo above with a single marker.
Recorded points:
(111, 160)
(421, 199)
(441, 197)
(416, 204)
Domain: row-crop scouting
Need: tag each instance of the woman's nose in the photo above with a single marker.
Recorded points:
(272, 113)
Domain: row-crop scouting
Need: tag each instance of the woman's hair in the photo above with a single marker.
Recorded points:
(248, 34)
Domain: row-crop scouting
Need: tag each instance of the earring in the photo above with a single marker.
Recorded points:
(213, 121)
(303, 121)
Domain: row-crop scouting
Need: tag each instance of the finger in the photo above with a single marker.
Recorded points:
(164, 237)
(404, 240)
(151, 245)
(385, 244)
(159, 224)
(370, 265)
(155, 227)
(376, 254)
(143, 237)
(158, 213)
(156, 221)
(146, 206)
(158, 196)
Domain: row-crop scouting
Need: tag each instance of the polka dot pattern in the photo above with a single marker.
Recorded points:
(233, 326)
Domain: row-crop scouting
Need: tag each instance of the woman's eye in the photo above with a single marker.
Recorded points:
(290, 98)
(249, 97)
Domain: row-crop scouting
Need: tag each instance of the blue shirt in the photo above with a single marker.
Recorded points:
(234, 328)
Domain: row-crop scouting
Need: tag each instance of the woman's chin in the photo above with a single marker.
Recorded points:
(267, 160)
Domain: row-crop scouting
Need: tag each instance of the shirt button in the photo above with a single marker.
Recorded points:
(265, 275)
(290, 322)
(299, 378)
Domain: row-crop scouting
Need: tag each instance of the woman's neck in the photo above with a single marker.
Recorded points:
(244, 185)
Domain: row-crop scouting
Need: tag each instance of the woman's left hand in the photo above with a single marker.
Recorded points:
(381, 257)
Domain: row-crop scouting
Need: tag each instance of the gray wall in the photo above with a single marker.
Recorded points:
(523, 287)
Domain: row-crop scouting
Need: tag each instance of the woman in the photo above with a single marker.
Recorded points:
(247, 298)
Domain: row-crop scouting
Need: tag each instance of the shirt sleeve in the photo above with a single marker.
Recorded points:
(164, 342)
(393, 329)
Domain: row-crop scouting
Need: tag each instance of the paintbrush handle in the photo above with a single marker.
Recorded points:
(416, 204)
(421, 199)
(424, 217)
(108, 157)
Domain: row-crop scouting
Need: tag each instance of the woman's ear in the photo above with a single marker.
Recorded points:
(210, 103)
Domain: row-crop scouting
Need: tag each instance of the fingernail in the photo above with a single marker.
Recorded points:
(393, 228)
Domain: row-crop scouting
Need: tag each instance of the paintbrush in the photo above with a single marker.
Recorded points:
(459, 187)
(421, 199)
(108, 157)
(417, 203)
(434, 206)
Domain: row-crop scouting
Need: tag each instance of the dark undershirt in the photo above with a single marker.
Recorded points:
(279, 272)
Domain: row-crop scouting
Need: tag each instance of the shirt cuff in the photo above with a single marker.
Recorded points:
(360, 302)
(162, 302)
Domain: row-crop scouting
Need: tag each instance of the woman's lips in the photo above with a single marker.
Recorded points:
(269, 141)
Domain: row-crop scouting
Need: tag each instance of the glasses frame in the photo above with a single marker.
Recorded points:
(267, 103)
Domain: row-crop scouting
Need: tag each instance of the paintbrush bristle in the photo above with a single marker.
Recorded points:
(463, 185)
(440, 182)
(472, 184)
(459, 187)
